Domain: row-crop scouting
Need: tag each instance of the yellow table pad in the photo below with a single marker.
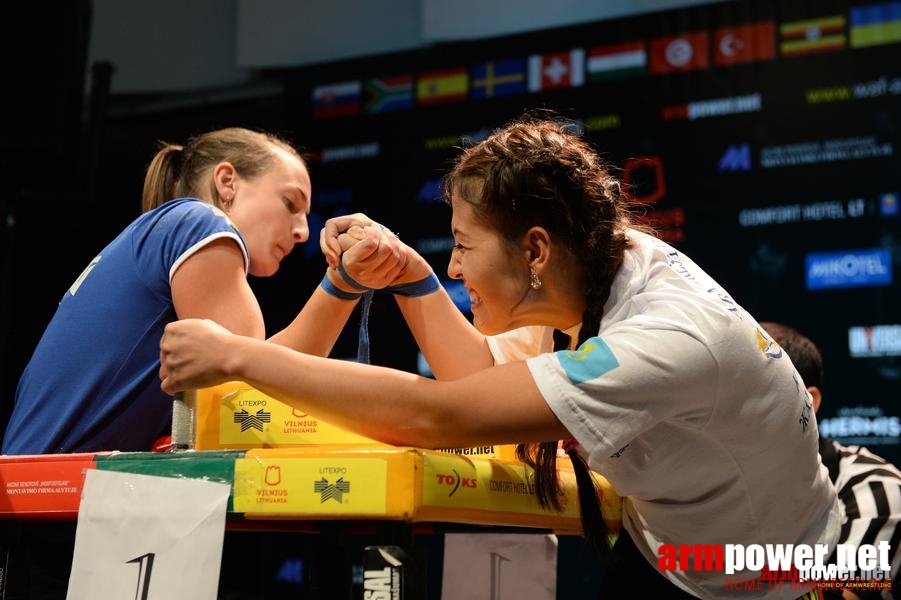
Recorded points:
(401, 483)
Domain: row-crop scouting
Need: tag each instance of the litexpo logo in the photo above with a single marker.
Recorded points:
(802, 561)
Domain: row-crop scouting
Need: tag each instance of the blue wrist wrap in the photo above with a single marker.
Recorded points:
(333, 290)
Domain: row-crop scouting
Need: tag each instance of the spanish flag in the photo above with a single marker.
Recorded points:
(448, 85)
(814, 35)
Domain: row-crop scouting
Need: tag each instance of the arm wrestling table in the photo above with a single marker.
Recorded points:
(326, 489)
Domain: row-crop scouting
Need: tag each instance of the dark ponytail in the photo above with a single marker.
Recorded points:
(542, 457)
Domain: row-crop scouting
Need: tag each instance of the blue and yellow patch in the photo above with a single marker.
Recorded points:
(590, 361)
(768, 345)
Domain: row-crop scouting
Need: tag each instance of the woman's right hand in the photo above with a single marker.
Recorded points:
(331, 241)
(371, 254)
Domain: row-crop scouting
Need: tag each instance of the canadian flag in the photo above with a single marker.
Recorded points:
(557, 70)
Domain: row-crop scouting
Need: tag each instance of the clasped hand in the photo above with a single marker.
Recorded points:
(198, 353)
(371, 254)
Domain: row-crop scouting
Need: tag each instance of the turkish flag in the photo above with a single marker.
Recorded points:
(744, 44)
(675, 53)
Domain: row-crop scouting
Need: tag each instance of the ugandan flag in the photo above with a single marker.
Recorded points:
(386, 94)
(811, 36)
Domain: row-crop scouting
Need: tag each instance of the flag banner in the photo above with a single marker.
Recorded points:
(676, 53)
(447, 85)
(386, 94)
(499, 78)
(337, 99)
(557, 70)
(813, 35)
(615, 61)
(876, 24)
(744, 43)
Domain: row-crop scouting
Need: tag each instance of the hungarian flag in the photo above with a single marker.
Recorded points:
(616, 60)
(448, 85)
(386, 94)
(813, 35)
(676, 53)
(557, 70)
(744, 43)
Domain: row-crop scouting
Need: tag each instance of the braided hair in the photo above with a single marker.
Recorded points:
(537, 171)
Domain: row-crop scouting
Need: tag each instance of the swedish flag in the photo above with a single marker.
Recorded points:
(499, 78)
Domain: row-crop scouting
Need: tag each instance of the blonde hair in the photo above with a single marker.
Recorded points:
(178, 171)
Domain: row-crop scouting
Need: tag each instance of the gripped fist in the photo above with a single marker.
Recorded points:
(328, 236)
(192, 354)
(349, 238)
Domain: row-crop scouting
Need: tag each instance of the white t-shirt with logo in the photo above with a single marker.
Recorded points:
(693, 414)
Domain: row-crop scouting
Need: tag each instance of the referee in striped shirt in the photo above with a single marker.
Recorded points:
(867, 484)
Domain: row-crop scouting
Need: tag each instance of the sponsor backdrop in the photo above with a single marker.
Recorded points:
(761, 138)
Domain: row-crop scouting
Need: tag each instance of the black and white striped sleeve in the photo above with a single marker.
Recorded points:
(869, 487)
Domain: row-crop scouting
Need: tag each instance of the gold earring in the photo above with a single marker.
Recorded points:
(534, 280)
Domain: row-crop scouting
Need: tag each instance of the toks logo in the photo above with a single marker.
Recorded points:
(455, 481)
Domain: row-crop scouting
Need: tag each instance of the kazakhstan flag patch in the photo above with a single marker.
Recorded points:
(590, 361)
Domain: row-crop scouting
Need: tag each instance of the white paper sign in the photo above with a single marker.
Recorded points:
(499, 566)
(143, 537)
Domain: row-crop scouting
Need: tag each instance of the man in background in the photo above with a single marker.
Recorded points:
(868, 486)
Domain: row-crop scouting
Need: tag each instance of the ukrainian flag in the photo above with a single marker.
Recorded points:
(876, 24)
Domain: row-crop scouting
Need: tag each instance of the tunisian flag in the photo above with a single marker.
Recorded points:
(675, 53)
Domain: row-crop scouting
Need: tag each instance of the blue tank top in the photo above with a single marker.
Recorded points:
(92, 383)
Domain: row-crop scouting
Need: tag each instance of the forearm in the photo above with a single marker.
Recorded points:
(451, 345)
(384, 404)
(317, 326)
(499, 405)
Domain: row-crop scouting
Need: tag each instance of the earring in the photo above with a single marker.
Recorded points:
(534, 280)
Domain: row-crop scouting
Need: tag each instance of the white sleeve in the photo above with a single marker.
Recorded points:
(619, 385)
